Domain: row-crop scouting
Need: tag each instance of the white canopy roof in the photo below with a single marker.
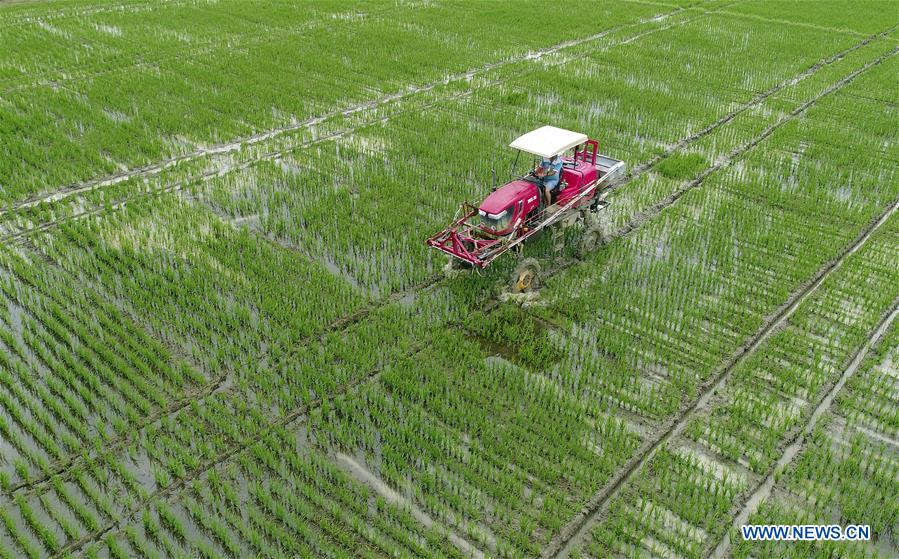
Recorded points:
(548, 141)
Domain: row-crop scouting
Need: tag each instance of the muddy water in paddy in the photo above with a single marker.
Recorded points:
(61, 510)
(140, 465)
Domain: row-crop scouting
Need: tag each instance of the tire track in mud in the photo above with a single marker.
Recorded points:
(362, 474)
(760, 493)
(580, 524)
(347, 321)
(253, 139)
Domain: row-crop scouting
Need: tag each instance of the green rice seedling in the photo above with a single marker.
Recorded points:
(682, 166)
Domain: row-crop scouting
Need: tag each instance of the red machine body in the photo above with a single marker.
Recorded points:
(515, 211)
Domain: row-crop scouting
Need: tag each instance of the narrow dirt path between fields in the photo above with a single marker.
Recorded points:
(763, 490)
(579, 525)
(240, 143)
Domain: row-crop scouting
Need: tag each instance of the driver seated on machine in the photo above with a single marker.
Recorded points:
(549, 171)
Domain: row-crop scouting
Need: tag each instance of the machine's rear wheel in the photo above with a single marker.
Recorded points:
(592, 239)
(526, 277)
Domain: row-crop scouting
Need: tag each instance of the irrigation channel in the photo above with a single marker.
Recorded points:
(578, 525)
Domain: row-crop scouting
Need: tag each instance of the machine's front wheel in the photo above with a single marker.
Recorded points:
(592, 239)
(526, 277)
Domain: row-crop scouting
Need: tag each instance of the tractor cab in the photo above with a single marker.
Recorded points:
(507, 207)
(578, 154)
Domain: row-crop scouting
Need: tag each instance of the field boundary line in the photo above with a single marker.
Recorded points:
(790, 23)
(577, 527)
(763, 489)
(252, 139)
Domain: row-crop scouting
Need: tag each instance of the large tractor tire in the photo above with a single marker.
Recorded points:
(526, 277)
(592, 239)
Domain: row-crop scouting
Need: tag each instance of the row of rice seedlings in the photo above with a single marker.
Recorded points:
(180, 102)
(109, 487)
(691, 281)
(270, 304)
(64, 510)
(193, 439)
(73, 388)
(107, 268)
(748, 426)
(147, 355)
(686, 499)
(441, 423)
(295, 502)
(365, 217)
(180, 447)
(760, 436)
